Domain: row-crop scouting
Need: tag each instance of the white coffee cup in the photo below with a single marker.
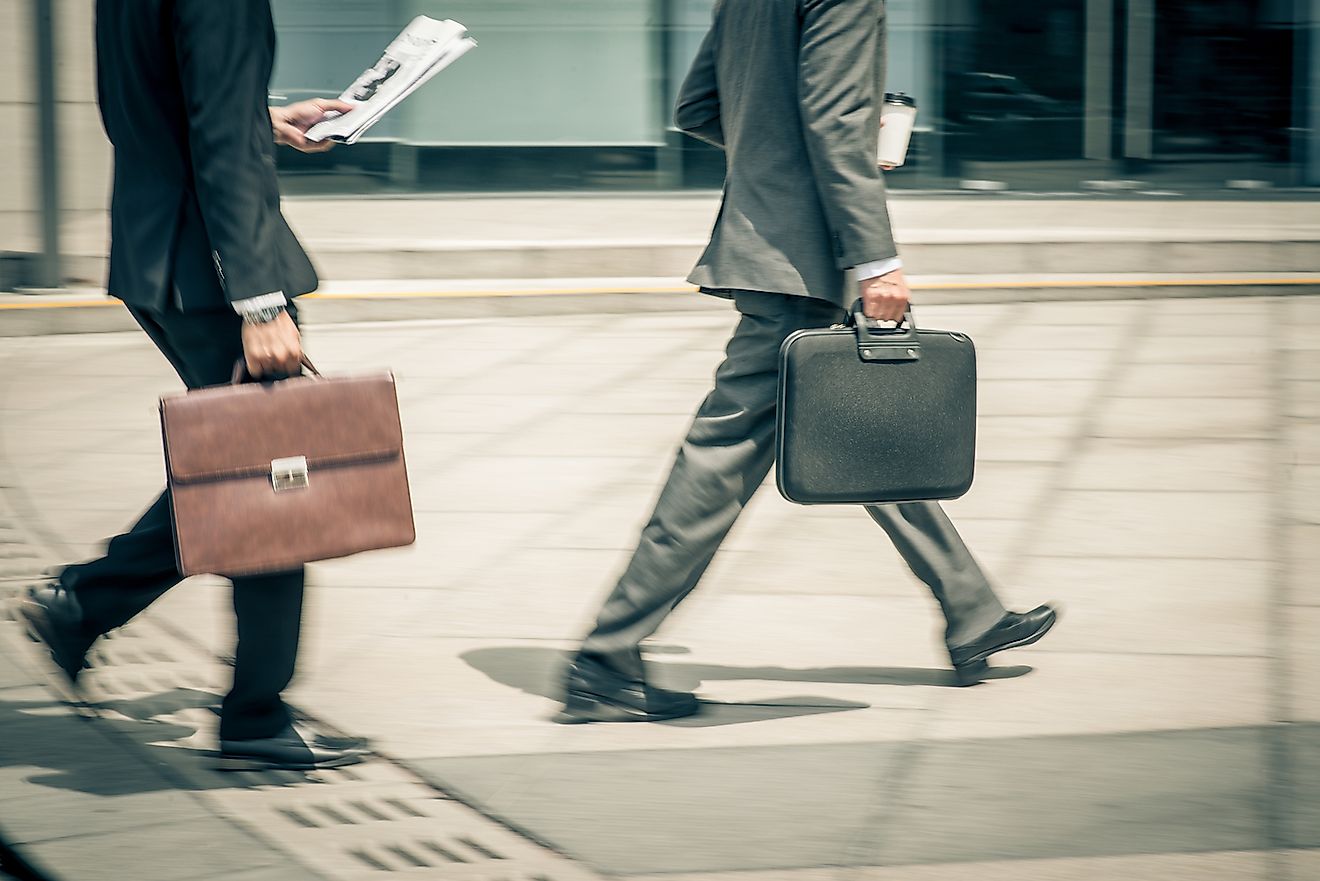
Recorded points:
(897, 117)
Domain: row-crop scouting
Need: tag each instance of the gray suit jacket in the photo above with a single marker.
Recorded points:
(792, 90)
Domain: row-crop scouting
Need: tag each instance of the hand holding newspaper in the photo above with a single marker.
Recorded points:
(423, 49)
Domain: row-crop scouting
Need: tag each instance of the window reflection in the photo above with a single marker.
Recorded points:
(1043, 95)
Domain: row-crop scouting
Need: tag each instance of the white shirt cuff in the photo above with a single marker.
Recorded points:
(876, 268)
(265, 301)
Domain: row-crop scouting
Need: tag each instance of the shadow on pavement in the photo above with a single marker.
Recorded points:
(50, 747)
(536, 670)
(135, 746)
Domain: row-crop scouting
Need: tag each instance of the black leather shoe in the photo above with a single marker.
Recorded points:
(293, 749)
(598, 693)
(51, 615)
(1014, 630)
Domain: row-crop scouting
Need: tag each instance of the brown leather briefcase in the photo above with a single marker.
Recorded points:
(267, 476)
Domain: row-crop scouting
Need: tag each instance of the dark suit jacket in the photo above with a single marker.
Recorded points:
(195, 216)
(792, 90)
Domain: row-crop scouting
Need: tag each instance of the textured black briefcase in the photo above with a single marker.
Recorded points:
(869, 415)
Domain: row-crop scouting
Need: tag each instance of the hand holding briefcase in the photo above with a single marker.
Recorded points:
(264, 477)
(869, 415)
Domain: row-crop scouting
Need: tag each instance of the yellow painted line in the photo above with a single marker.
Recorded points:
(1117, 283)
(60, 304)
(680, 289)
(528, 292)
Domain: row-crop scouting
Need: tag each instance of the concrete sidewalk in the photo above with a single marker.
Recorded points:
(1153, 466)
(661, 235)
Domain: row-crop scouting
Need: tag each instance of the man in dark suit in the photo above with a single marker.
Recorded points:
(206, 264)
(791, 90)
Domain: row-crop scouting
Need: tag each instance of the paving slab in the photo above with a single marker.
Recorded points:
(1303, 486)
(1213, 866)
(1302, 647)
(1087, 795)
(1301, 556)
(1209, 525)
(1302, 364)
(1126, 606)
(1302, 440)
(1105, 693)
(1192, 381)
(1077, 314)
(716, 810)
(1023, 438)
(1175, 465)
(1301, 399)
(176, 851)
(1301, 809)
(1026, 397)
(1041, 364)
(1185, 418)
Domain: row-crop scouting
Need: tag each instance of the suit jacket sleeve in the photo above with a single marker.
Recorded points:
(698, 111)
(225, 51)
(839, 96)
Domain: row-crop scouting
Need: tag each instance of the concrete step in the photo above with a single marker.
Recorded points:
(601, 237)
(89, 310)
(967, 255)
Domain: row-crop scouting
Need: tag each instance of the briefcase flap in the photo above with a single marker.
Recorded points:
(301, 424)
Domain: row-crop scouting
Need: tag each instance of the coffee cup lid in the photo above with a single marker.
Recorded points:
(900, 98)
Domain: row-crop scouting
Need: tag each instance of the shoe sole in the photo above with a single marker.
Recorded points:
(243, 763)
(1015, 644)
(599, 711)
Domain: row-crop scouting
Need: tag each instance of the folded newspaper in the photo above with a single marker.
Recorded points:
(423, 49)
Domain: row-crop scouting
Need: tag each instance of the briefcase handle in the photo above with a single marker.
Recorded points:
(880, 344)
(241, 375)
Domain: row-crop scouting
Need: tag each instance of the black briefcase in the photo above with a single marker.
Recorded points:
(870, 414)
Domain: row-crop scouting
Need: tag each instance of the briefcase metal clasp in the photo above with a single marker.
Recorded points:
(288, 473)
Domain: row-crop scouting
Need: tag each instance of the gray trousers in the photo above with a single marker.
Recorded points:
(724, 459)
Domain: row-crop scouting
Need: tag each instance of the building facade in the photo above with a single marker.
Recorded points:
(1029, 95)
(1041, 94)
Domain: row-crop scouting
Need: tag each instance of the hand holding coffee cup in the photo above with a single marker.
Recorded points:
(897, 117)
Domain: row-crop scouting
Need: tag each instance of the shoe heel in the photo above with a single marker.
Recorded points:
(231, 763)
(578, 710)
(582, 708)
(971, 674)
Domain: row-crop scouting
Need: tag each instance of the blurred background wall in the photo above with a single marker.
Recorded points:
(1045, 94)
(1028, 95)
(77, 157)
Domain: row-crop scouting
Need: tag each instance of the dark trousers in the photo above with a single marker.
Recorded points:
(724, 459)
(140, 565)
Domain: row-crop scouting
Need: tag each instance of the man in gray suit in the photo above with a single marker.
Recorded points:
(791, 90)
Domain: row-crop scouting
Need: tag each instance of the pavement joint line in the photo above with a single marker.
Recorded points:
(902, 766)
(1278, 820)
(906, 760)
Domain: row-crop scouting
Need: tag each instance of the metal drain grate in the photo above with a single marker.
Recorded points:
(155, 688)
(389, 822)
(368, 821)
